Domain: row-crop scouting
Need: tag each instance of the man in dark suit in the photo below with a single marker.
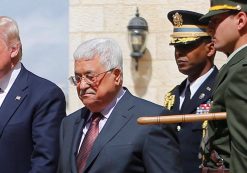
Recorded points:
(226, 147)
(194, 55)
(31, 110)
(119, 144)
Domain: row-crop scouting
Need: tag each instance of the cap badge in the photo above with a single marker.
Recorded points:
(177, 19)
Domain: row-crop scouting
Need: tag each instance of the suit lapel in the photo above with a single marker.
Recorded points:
(177, 91)
(117, 120)
(78, 127)
(14, 98)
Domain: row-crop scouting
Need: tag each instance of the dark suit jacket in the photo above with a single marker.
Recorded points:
(122, 146)
(229, 137)
(30, 117)
(191, 133)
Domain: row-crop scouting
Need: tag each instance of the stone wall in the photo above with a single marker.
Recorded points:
(157, 73)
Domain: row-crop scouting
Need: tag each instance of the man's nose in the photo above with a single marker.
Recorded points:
(179, 53)
(83, 84)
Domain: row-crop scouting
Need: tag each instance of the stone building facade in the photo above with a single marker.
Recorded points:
(157, 73)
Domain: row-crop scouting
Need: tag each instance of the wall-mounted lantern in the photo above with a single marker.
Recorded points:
(137, 33)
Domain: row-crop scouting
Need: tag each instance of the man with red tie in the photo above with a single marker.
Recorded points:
(103, 136)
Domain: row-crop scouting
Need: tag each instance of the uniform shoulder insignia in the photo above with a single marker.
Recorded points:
(169, 101)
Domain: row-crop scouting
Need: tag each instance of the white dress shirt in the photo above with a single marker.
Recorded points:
(194, 85)
(7, 81)
(106, 114)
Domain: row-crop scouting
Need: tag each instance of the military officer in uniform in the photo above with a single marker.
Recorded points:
(226, 149)
(194, 55)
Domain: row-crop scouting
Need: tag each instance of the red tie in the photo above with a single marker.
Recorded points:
(88, 141)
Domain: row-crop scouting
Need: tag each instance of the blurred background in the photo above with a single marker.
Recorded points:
(51, 30)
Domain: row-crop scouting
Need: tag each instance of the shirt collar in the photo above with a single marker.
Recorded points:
(7, 81)
(198, 82)
(235, 52)
(109, 108)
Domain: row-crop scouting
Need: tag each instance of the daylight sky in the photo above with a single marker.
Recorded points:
(43, 26)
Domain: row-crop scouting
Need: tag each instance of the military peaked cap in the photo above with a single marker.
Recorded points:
(187, 26)
(223, 6)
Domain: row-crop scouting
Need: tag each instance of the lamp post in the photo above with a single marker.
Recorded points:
(137, 33)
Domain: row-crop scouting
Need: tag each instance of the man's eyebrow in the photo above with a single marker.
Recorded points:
(87, 72)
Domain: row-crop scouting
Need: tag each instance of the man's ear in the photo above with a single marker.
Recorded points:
(14, 48)
(117, 76)
(211, 49)
(242, 20)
